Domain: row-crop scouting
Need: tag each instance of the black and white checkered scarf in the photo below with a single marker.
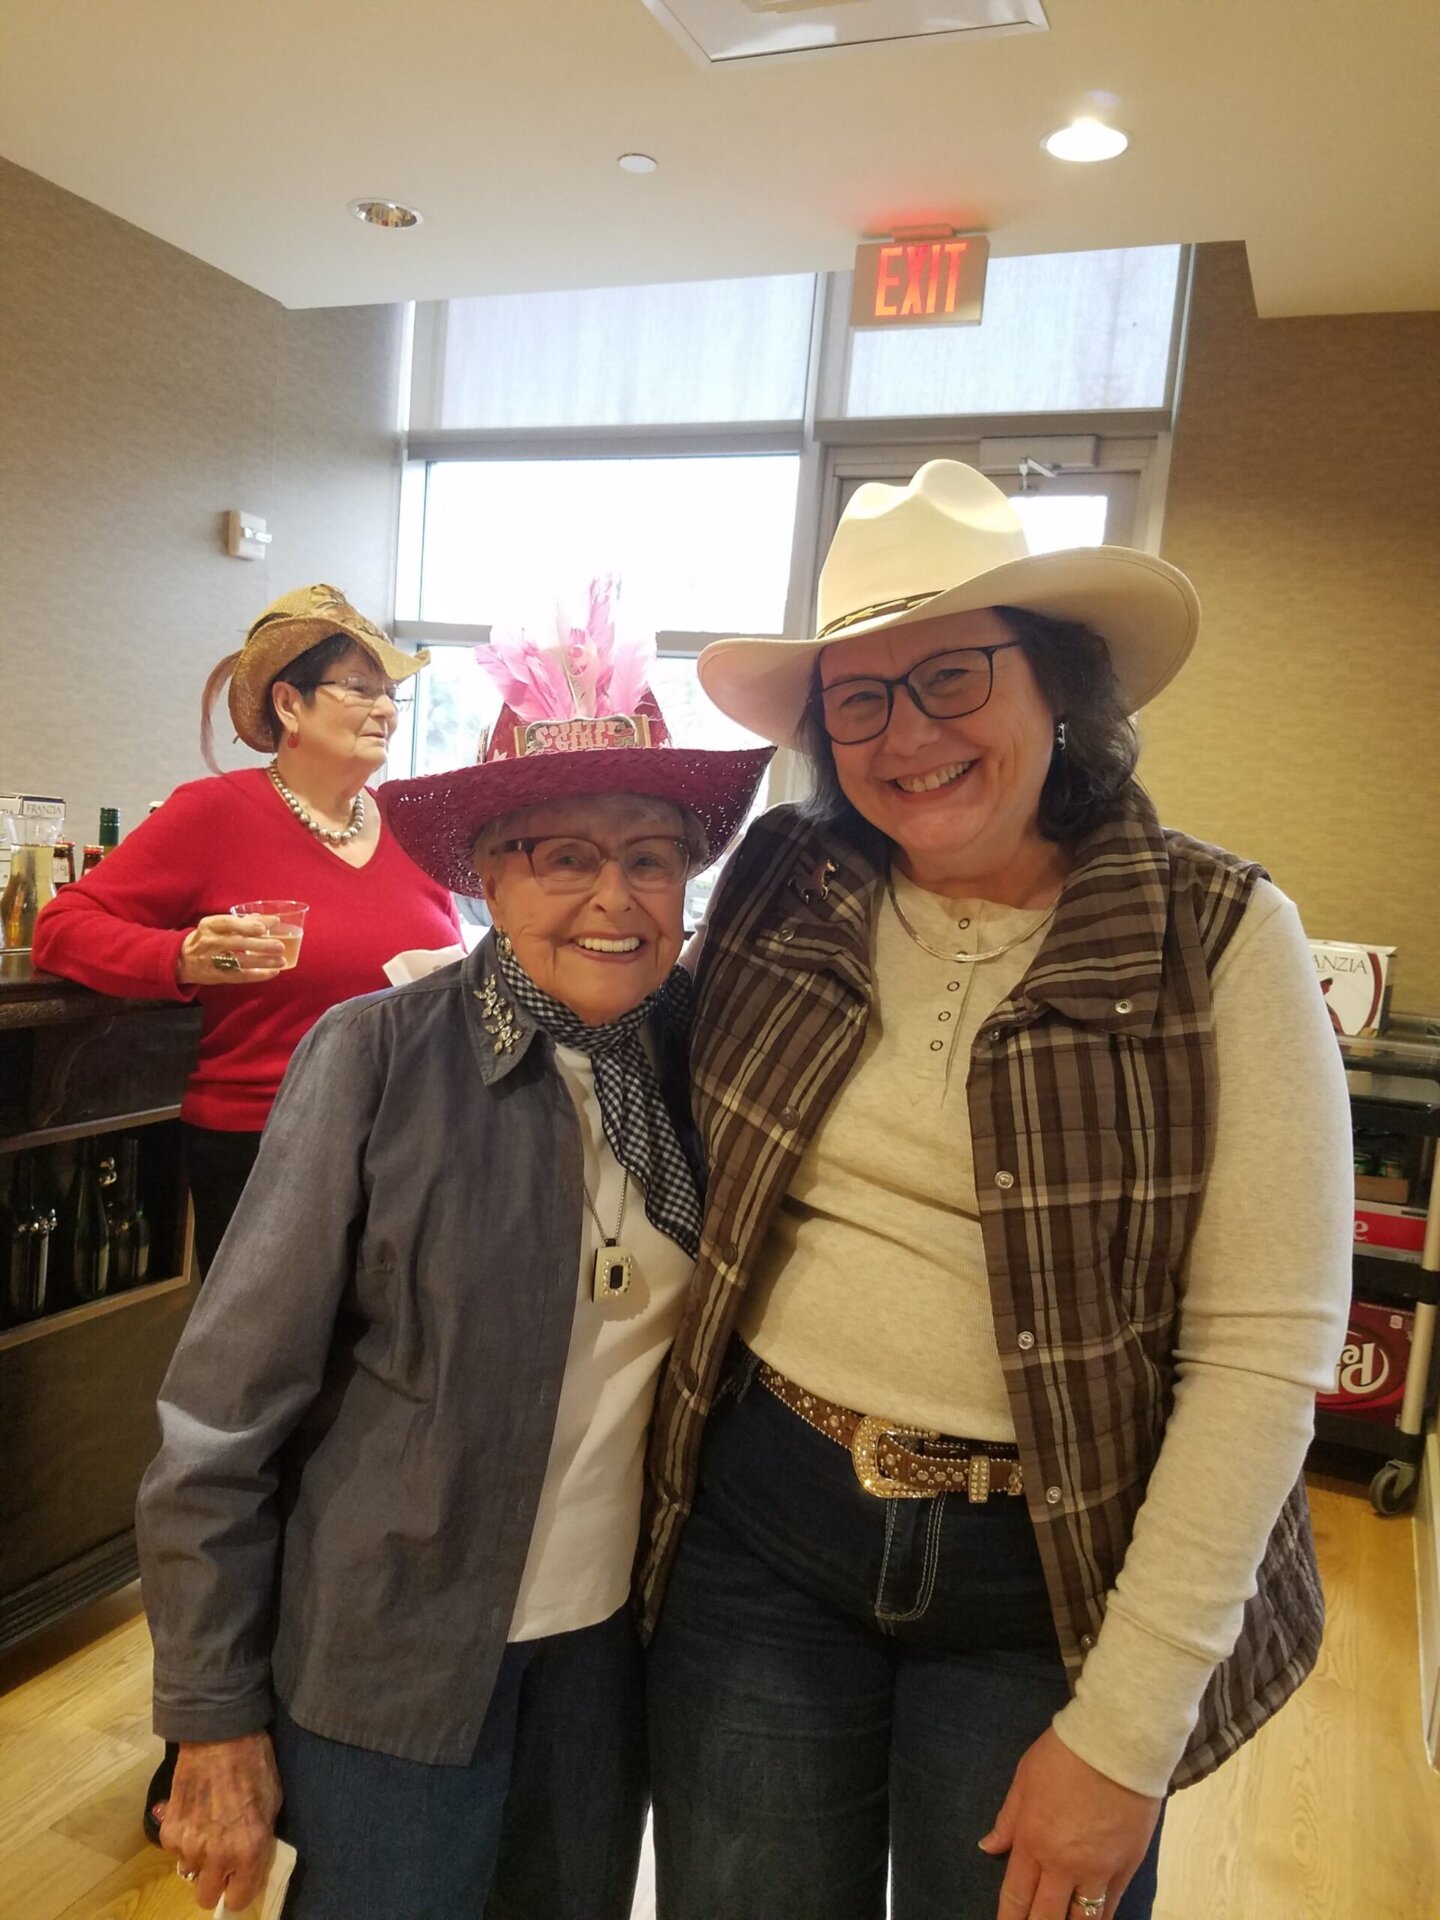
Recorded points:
(633, 1113)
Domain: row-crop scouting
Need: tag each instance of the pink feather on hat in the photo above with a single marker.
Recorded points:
(585, 673)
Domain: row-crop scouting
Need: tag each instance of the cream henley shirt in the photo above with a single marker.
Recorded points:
(872, 1290)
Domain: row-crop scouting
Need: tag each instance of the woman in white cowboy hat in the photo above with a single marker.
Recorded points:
(976, 1513)
(388, 1539)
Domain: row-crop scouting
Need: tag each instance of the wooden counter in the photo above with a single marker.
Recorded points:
(78, 1383)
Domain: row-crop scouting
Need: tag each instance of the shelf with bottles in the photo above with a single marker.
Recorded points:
(87, 1225)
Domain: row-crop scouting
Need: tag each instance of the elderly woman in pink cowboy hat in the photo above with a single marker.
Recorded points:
(387, 1541)
(976, 1513)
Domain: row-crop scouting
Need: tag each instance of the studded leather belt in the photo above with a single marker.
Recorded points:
(896, 1462)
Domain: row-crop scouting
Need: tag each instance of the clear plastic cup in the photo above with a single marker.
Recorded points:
(284, 921)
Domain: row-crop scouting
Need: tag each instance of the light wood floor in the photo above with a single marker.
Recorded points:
(1331, 1814)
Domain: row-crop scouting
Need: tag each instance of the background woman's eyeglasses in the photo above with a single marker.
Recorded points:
(563, 864)
(943, 686)
(355, 691)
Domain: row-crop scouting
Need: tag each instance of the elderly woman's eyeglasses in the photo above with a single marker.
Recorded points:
(564, 864)
(356, 691)
(943, 686)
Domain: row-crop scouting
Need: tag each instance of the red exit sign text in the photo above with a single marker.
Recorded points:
(920, 283)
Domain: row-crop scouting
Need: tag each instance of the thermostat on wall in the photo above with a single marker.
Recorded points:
(245, 535)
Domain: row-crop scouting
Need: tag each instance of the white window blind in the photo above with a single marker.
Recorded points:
(710, 351)
(1063, 332)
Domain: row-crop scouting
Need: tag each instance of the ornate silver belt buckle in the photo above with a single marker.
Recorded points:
(865, 1452)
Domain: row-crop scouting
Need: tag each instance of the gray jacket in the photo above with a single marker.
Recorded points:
(356, 1423)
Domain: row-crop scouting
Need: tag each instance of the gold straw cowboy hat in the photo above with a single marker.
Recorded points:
(289, 627)
(951, 542)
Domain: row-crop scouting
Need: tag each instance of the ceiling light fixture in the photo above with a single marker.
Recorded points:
(385, 213)
(637, 163)
(1086, 140)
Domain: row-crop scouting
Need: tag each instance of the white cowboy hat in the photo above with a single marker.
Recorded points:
(951, 542)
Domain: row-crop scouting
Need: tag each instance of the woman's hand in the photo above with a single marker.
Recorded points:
(1073, 1835)
(226, 949)
(219, 1821)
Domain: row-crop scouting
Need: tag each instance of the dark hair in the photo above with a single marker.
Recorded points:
(1091, 780)
(304, 673)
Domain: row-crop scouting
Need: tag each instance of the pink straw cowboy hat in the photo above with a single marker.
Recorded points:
(579, 718)
(951, 542)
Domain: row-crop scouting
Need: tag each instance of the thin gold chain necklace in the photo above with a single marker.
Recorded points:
(966, 959)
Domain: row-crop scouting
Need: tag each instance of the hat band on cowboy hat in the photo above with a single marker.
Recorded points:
(950, 542)
(579, 721)
(289, 627)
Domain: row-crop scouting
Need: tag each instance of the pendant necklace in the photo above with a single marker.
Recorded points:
(611, 1273)
(966, 959)
(335, 837)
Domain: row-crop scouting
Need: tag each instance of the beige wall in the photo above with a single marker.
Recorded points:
(141, 394)
(1304, 501)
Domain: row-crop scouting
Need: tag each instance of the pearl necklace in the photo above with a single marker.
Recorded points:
(328, 834)
(966, 959)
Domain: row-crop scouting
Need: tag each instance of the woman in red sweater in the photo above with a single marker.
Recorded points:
(315, 684)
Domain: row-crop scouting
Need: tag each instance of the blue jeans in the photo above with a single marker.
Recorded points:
(545, 1823)
(841, 1687)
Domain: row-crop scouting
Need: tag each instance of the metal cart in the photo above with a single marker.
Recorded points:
(1394, 1085)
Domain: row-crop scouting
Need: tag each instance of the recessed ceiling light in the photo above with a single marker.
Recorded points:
(1086, 140)
(637, 163)
(385, 213)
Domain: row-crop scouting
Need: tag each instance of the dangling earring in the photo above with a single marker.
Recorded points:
(292, 739)
(1060, 737)
(502, 943)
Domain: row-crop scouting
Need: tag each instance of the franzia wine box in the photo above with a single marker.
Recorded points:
(1355, 982)
(1370, 1373)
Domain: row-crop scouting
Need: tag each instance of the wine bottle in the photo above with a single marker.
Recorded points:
(25, 1230)
(109, 833)
(90, 1243)
(129, 1228)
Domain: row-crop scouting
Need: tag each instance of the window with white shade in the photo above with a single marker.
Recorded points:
(711, 350)
(1063, 332)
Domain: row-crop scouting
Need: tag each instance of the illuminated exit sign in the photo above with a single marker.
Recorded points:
(920, 283)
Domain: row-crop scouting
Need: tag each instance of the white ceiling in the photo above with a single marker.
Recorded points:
(1308, 128)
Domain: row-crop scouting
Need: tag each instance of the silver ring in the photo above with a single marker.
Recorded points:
(1092, 1905)
(226, 963)
(187, 1873)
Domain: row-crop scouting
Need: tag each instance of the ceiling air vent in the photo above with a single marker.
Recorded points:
(725, 30)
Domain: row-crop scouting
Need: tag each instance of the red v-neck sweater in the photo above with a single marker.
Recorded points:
(214, 843)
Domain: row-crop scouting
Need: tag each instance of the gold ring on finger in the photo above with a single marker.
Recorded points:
(226, 963)
(1092, 1905)
(187, 1873)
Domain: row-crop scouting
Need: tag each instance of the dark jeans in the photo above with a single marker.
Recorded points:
(545, 1823)
(842, 1686)
(217, 1166)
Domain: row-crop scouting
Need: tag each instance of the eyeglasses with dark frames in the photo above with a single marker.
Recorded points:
(944, 686)
(564, 863)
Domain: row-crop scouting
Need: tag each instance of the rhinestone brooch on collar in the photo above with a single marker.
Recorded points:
(497, 1016)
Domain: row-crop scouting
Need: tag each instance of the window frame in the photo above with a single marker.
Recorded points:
(1128, 457)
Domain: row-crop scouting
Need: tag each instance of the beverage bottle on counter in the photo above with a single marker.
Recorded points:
(109, 834)
(89, 1247)
(91, 859)
(25, 1230)
(64, 871)
(129, 1229)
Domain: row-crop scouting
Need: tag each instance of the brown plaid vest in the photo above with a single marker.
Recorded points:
(1091, 1095)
